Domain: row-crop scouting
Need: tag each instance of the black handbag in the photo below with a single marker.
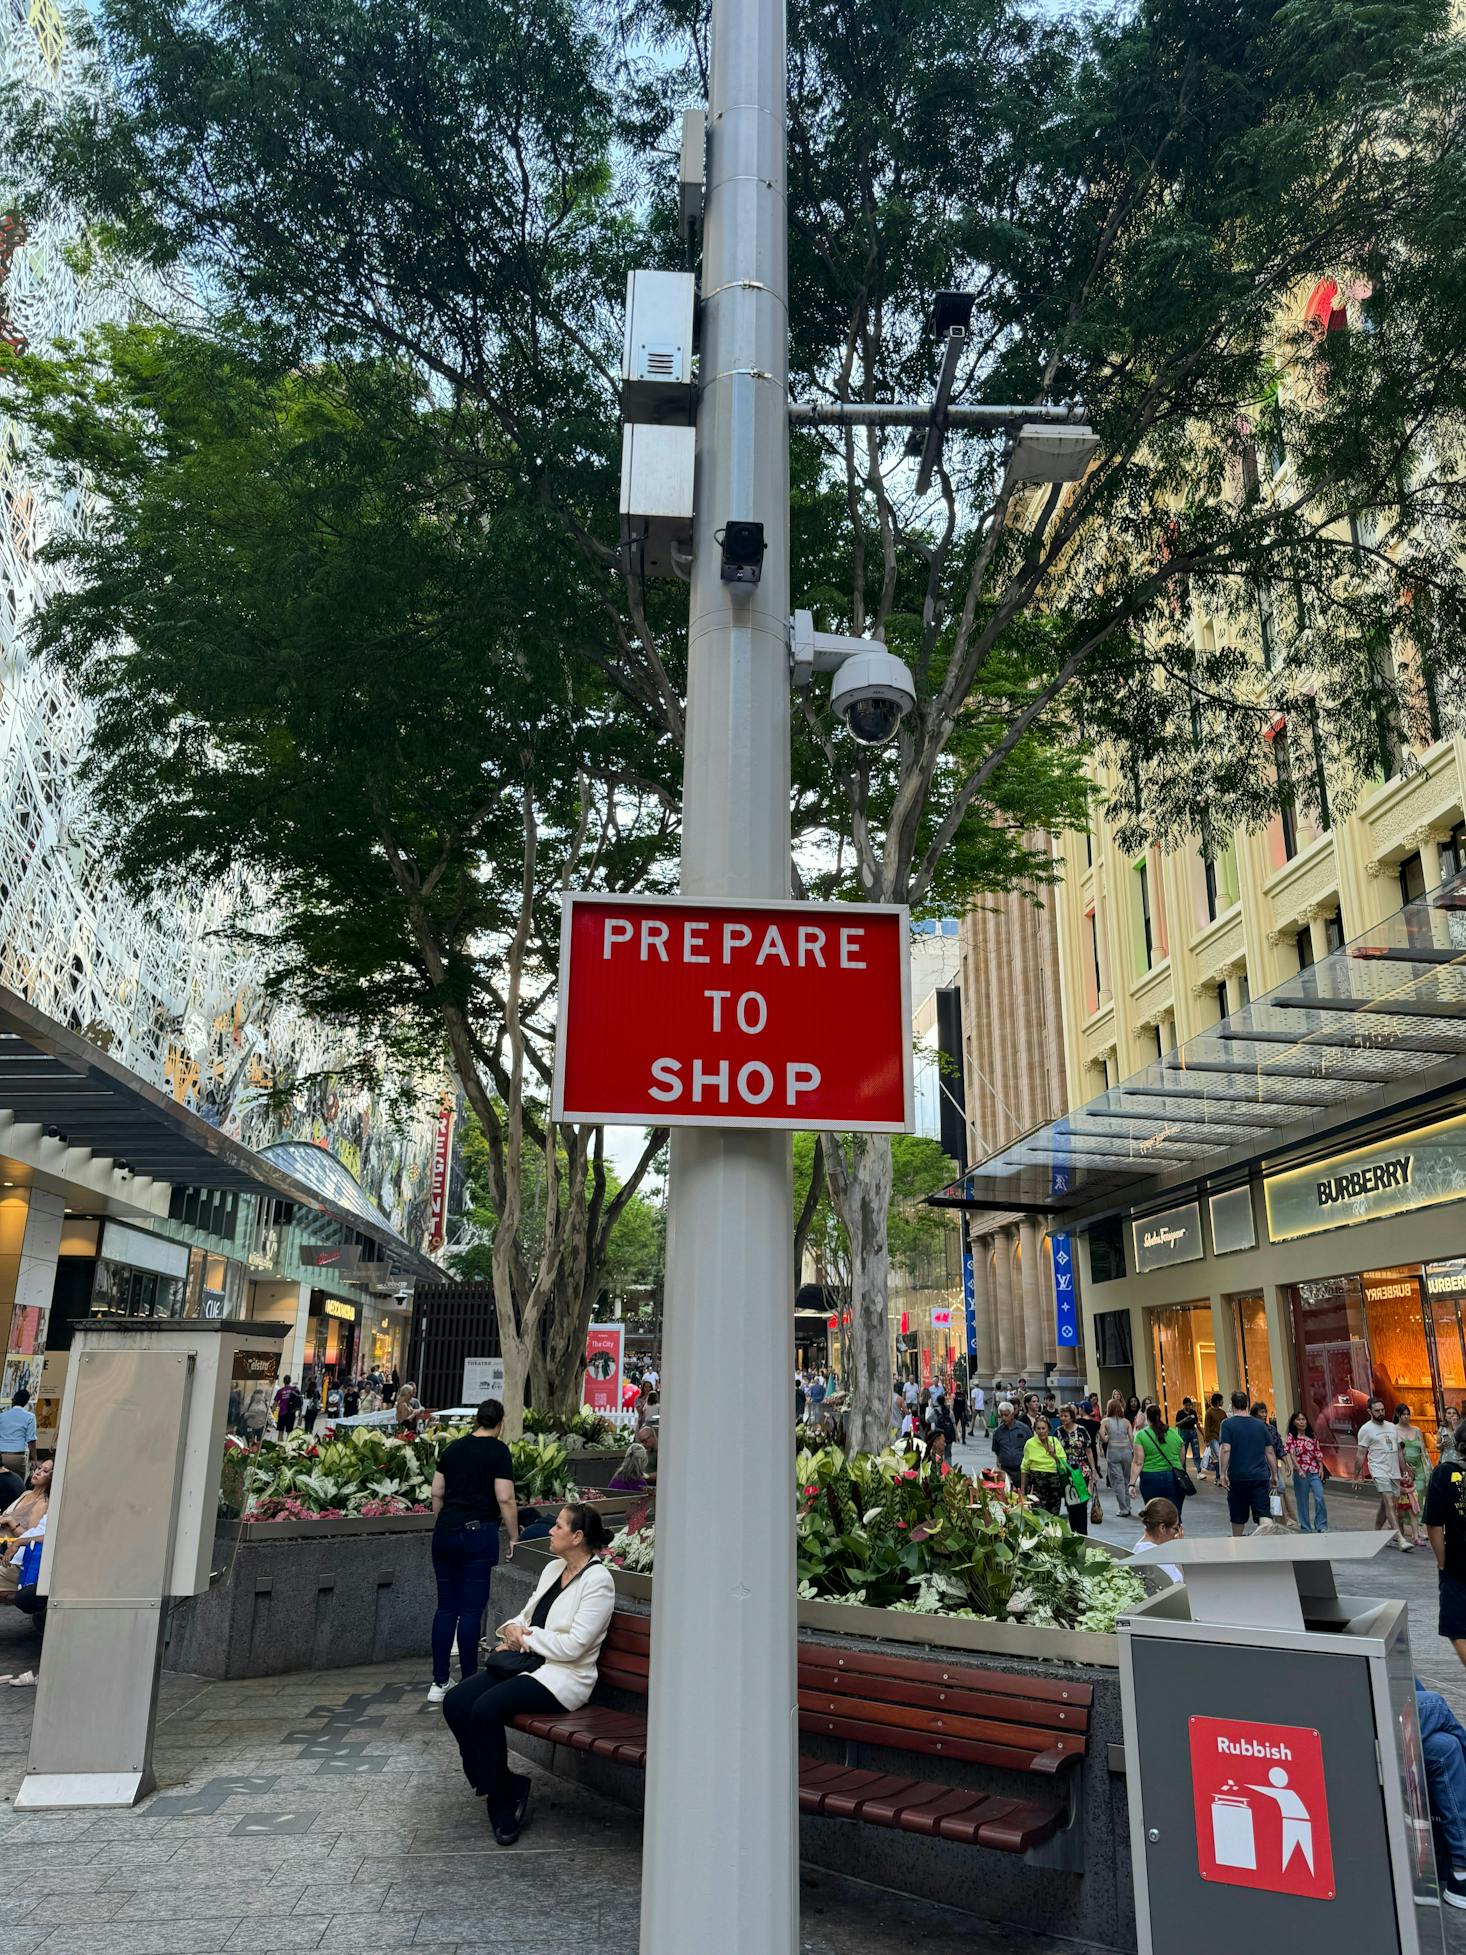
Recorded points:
(1184, 1482)
(501, 1665)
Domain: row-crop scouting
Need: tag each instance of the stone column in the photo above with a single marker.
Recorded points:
(1029, 1237)
(295, 1362)
(985, 1329)
(1010, 1347)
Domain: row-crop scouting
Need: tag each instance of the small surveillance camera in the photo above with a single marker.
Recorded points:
(873, 693)
(743, 552)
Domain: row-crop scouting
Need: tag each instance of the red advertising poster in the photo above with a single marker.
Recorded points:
(442, 1154)
(603, 1346)
(941, 1320)
(1262, 1811)
(926, 1365)
(705, 1014)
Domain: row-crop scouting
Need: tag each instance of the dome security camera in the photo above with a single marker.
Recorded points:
(873, 692)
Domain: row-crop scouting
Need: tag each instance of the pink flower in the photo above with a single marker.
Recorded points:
(945, 1469)
(909, 1474)
(810, 1492)
(901, 1524)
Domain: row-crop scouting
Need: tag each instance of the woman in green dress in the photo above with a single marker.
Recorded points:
(1414, 1455)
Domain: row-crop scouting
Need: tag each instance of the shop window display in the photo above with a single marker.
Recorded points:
(1362, 1337)
(1183, 1347)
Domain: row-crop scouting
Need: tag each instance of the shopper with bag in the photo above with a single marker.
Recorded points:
(1249, 1466)
(1159, 1467)
(1379, 1451)
(1083, 1477)
(1307, 1457)
(544, 1661)
(1045, 1468)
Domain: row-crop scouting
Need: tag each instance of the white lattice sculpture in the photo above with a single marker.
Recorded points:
(162, 992)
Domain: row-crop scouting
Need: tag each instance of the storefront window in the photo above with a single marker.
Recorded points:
(1254, 1357)
(1363, 1337)
(1184, 1349)
(1399, 1351)
(120, 1290)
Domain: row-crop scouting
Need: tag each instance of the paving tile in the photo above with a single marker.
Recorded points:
(271, 1824)
(184, 1805)
(60, 1909)
(350, 1767)
(223, 1897)
(181, 1937)
(376, 1933)
(342, 1897)
(20, 1937)
(269, 1930)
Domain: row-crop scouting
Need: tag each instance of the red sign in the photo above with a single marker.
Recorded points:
(832, 1323)
(442, 1152)
(603, 1367)
(1262, 1814)
(905, 1323)
(941, 1320)
(704, 1014)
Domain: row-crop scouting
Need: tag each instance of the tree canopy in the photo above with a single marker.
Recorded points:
(1141, 199)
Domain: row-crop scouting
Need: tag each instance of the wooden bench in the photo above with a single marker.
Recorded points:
(1028, 1725)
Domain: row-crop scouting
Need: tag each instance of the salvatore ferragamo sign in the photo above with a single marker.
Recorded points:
(1174, 1236)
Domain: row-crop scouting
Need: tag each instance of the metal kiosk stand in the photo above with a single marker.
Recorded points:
(1275, 1777)
(134, 1520)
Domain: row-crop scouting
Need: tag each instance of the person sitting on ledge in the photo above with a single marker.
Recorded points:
(545, 1662)
(634, 1474)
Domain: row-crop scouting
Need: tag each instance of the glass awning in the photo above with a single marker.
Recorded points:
(1384, 1008)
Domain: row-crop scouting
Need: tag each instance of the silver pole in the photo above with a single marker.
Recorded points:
(910, 414)
(720, 1869)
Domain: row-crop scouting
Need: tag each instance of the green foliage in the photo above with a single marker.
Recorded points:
(583, 1429)
(916, 1234)
(374, 1472)
(879, 1531)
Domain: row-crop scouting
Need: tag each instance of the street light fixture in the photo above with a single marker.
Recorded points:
(951, 317)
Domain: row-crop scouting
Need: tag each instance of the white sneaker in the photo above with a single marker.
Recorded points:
(437, 1693)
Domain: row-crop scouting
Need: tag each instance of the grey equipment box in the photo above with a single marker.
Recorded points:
(1274, 1770)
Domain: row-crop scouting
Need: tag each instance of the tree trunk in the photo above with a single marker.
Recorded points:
(859, 1169)
(516, 1374)
(569, 1319)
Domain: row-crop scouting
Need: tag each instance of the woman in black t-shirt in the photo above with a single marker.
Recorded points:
(473, 1489)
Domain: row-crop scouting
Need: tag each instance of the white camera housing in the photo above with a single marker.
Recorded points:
(873, 692)
(872, 689)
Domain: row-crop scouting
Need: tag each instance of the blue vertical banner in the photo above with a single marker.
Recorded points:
(969, 1301)
(1066, 1314)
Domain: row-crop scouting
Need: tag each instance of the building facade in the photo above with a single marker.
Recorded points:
(173, 1139)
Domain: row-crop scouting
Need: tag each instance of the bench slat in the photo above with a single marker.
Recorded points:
(915, 1718)
(870, 1663)
(1043, 1716)
(938, 1745)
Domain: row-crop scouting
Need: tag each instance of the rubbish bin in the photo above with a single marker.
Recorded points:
(1275, 1778)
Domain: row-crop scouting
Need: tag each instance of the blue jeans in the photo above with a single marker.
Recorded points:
(463, 1563)
(1308, 1492)
(1162, 1486)
(1191, 1445)
(1443, 1742)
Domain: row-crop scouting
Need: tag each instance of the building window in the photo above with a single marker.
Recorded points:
(1160, 1042)
(1303, 944)
(1267, 627)
(1244, 989)
(1333, 931)
(1320, 778)
(1287, 797)
(1209, 872)
(1088, 850)
(1412, 879)
(1453, 852)
(1097, 983)
(1223, 1003)
(1147, 934)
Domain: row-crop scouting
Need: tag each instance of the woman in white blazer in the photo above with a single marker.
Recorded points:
(561, 1629)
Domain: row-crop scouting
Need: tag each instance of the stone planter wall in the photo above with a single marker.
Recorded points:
(1097, 1906)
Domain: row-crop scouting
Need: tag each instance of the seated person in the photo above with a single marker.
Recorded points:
(20, 1517)
(1443, 1745)
(1162, 1525)
(634, 1474)
(561, 1629)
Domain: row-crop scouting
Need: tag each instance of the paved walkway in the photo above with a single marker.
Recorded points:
(328, 1811)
